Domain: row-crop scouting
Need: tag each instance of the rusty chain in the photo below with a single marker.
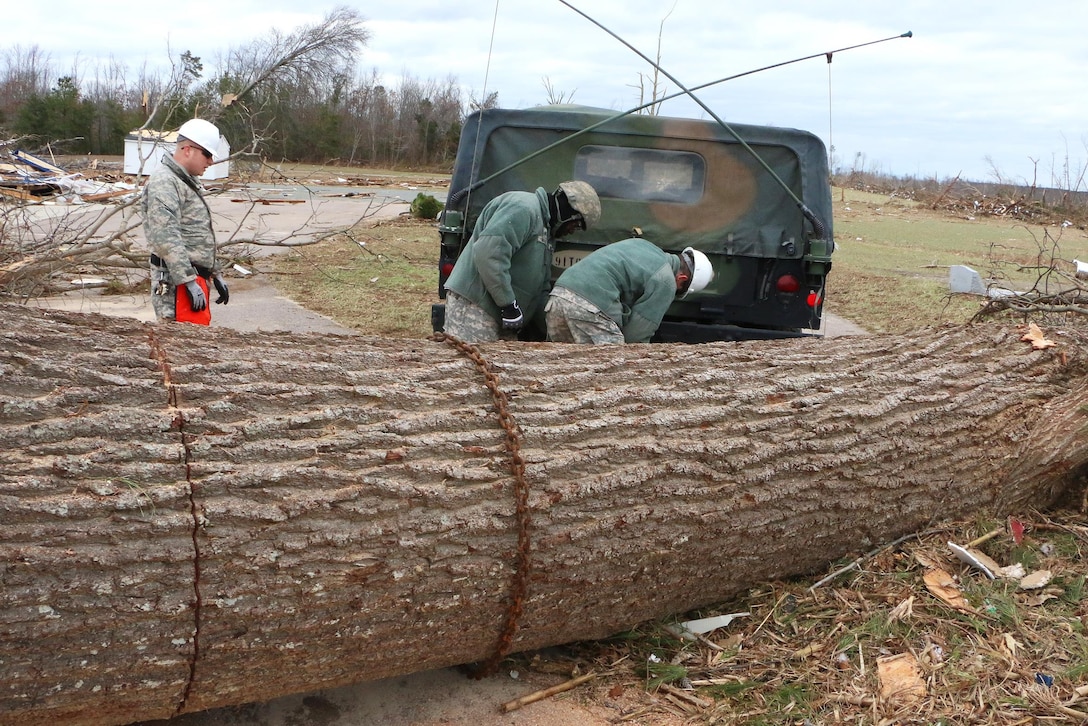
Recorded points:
(520, 585)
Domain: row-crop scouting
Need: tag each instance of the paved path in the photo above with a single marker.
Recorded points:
(255, 305)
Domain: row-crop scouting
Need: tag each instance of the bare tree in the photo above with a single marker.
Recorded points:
(302, 57)
(26, 73)
(657, 88)
(554, 96)
(491, 100)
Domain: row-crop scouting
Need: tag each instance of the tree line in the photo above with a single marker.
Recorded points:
(295, 96)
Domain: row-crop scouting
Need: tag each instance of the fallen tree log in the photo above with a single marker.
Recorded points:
(195, 518)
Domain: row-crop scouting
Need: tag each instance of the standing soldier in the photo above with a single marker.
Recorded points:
(178, 227)
(502, 276)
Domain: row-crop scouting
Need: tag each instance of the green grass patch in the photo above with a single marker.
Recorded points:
(380, 280)
(890, 270)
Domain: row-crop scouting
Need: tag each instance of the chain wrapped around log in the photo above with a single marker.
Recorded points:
(195, 518)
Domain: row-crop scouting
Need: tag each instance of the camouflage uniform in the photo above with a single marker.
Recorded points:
(178, 227)
(468, 321)
(508, 258)
(573, 319)
(631, 283)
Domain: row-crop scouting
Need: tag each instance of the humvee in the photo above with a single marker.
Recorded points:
(755, 199)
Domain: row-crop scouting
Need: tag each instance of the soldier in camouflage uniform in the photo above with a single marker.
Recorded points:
(620, 293)
(502, 275)
(178, 223)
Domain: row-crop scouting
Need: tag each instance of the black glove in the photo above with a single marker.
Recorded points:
(221, 288)
(197, 300)
(512, 319)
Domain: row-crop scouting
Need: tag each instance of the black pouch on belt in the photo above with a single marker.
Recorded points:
(204, 272)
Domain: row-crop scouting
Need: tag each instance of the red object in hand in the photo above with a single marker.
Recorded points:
(183, 308)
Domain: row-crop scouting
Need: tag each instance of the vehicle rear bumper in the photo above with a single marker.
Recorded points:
(674, 332)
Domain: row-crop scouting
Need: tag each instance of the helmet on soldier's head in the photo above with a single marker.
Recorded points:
(702, 272)
(203, 133)
(582, 199)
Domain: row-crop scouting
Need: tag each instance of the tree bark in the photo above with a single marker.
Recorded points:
(194, 518)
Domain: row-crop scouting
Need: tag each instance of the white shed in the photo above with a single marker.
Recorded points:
(145, 148)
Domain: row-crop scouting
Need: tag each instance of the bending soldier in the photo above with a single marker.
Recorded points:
(502, 276)
(620, 293)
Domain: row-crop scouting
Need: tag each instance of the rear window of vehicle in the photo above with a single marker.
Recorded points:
(648, 175)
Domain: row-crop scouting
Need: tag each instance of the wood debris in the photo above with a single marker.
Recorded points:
(1037, 338)
(900, 679)
(28, 178)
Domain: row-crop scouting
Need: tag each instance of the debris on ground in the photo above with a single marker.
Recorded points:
(28, 178)
(917, 632)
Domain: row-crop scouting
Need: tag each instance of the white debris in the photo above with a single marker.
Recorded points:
(1035, 580)
(973, 559)
(963, 279)
(705, 625)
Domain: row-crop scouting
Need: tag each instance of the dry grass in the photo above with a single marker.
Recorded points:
(814, 652)
(381, 280)
(891, 269)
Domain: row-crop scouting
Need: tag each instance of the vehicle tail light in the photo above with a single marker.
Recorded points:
(815, 299)
(446, 269)
(788, 283)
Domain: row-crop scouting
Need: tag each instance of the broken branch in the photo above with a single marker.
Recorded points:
(547, 692)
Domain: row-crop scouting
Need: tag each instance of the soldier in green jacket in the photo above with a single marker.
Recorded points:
(619, 293)
(502, 276)
(178, 224)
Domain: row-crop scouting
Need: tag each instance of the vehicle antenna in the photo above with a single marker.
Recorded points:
(483, 98)
(456, 197)
(820, 228)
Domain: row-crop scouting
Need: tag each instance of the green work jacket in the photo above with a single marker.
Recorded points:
(633, 282)
(509, 255)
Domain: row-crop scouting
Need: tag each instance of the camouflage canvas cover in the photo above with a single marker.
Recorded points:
(676, 182)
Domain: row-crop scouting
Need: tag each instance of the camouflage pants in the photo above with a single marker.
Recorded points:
(163, 294)
(573, 319)
(469, 322)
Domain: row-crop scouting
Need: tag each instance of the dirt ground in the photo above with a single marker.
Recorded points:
(443, 696)
(430, 698)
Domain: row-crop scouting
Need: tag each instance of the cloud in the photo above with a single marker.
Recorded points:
(1000, 81)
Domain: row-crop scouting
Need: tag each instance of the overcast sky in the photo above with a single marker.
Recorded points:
(981, 88)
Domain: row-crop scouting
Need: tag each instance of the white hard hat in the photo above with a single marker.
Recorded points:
(702, 272)
(202, 133)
